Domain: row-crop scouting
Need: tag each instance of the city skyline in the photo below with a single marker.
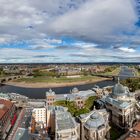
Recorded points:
(59, 31)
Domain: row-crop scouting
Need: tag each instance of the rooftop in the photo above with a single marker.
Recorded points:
(95, 119)
(3, 95)
(75, 90)
(82, 94)
(50, 93)
(118, 103)
(119, 89)
(137, 127)
(57, 108)
(5, 106)
(64, 120)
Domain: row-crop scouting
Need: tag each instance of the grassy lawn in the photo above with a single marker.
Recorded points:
(62, 79)
(113, 71)
(89, 102)
(116, 71)
(137, 72)
(73, 109)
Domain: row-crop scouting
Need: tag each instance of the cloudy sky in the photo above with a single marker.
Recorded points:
(69, 31)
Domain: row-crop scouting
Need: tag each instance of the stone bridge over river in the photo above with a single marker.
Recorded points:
(9, 78)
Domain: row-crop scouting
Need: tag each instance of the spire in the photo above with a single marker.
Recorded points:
(50, 90)
(118, 80)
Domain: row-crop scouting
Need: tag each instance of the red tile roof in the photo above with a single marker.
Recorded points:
(137, 127)
(133, 138)
(7, 106)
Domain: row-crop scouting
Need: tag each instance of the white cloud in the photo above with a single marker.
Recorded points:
(88, 19)
(40, 47)
(53, 41)
(97, 20)
(42, 23)
(127, 50)
(7, 38)
(17, 16)
(22, 55)
(43, 44)
(85, 54)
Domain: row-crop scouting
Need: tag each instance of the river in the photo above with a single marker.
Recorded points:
(126, 72)
(39, 93)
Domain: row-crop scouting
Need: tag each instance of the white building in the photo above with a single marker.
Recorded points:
(66, 127)
(62, 124)
(50, 98)
(4, 96)
(40, 116)
(95, 125)
(79, 97)
(84, 94)
(121, 106)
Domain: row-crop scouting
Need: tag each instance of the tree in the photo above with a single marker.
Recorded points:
(1, 71)
(132, 83)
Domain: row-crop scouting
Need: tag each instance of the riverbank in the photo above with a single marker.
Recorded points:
(53, 85)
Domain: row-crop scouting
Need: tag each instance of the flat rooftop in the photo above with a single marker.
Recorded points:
(64, 121)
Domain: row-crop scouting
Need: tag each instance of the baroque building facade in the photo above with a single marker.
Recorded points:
(95, 125)
(121, 106)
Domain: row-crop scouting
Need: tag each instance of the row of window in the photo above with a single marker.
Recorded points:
(50, 99)
(50, 103)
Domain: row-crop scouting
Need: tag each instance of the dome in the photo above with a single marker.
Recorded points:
(75, 90)
(94, 116)
(50, 92)
(119, 89)
(96, 120)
